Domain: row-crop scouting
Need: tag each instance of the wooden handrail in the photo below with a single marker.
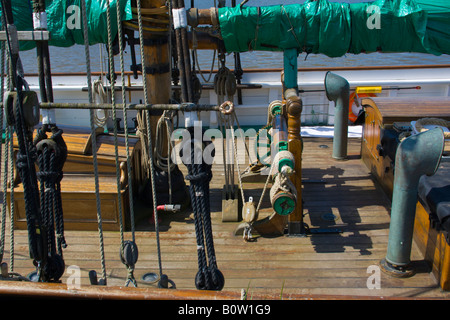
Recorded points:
(19, 289)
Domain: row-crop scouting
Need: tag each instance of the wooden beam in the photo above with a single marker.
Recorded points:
(19, 289)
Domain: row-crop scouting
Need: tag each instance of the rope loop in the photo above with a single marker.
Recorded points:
(203, 176)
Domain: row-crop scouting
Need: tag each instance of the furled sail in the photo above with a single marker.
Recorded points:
(333, 28)
(64, 20)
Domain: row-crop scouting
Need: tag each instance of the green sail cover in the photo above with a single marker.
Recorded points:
(334, 29)
(64, 20)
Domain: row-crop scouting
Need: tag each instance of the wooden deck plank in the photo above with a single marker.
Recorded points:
(315, 265)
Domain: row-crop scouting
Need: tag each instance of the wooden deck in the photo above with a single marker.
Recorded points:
(321, 264)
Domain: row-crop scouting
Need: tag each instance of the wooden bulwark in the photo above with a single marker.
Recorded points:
(338, 194)
(78, 184)
(381, 114)
(433, 246)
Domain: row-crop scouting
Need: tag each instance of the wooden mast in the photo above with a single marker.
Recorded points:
(156, 66)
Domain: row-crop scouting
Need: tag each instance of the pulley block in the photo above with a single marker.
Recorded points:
(129, 254)
(249, 213)
(48, 144)
(30, 110)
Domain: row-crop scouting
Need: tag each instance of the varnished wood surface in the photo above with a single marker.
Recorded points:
(319, 264)
(433, 246)
(409, 109)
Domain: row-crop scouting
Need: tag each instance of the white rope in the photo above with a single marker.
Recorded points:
(98, 91)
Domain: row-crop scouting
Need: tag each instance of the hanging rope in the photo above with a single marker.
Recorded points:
(163, 282)
(93, 275)
(9, 157)
(5, 172)
(11, 200)
(51, 156)
(208, 276)
(129, 249)
(26, 154)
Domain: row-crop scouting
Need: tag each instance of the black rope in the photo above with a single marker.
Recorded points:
(199, 174)
(52, 154)
(26, 154)
(208, 276)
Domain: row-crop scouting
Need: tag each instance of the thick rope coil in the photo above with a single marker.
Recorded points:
(281, 181)
(421, 123)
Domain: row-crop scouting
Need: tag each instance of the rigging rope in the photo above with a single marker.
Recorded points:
(131, 258)
(149, 143)
(94, 145)
(18, 116)
(12, 208)
(208, 276)
(5, 173)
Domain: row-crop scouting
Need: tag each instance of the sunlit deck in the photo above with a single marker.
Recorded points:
(337, 194)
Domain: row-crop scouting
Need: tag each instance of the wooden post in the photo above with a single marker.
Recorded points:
(295, 146)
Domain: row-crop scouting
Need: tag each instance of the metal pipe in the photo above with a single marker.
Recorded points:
(417, 155)
(338, 90)
(107, 106)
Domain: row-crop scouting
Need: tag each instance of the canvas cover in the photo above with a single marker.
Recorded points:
(64, 20)
(329, 28)
(334, 28)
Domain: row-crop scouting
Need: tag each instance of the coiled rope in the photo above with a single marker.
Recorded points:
(421, 123)
(99, 91)
(420, 127)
